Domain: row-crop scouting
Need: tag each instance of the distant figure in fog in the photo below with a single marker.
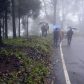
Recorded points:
(47, 28)
(56, 36)
(69, 35)
(44, 29)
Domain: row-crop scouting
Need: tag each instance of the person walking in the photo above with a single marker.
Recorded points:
(69, 35)
(56, 36)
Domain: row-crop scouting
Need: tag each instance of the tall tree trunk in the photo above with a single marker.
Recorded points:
(6, 26)
(3, 28)
(27, 27)
(45, 9)
(13, 19)
(19, 26)
(63, 15)
(0, 34)
(54, 14)
(19, 17)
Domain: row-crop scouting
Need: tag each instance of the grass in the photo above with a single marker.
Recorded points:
(40, 44)
(31, 71)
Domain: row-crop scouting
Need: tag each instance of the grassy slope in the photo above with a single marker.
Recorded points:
(32, 71)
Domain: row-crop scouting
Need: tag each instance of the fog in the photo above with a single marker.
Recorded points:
(68, 13)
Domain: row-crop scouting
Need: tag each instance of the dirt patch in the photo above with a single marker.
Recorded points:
(9, 64)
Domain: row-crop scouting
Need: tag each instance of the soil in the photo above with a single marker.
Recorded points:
(9, 64)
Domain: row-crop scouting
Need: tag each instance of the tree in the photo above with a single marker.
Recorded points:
(54, 6)
(19, 12)
(19, 15)
(45, 8)
(4, 4)
(13, 18)
(6, 12)
(49, 5)
(3, 28)
(0, 34)
(27, 8)
(6, 27)
(34, 6)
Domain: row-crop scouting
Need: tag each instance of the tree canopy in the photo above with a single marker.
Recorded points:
(28, 7)
(4, 8)
(4, 4)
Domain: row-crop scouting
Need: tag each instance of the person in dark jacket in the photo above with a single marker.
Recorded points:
(69, 36)
(44, 29)
(56, 36)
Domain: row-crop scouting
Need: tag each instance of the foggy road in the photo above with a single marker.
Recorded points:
(58, 73)
(74, 59)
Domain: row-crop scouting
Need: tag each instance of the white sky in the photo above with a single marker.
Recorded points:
(73, 18)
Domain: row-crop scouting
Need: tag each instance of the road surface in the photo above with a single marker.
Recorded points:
(74, 61)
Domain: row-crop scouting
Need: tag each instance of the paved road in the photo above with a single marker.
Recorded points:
(57, 72)
(74, 59)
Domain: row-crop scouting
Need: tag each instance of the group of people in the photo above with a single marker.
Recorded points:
(59, 35)
(44, 29)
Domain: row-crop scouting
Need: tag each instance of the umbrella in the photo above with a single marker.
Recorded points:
(74, 28)
(57, 26)
(41, 23)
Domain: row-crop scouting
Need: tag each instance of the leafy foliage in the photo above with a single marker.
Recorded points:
(4, 5)
(42, 44)
(29, 72)
(28, 7)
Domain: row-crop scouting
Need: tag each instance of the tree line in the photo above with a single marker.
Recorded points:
(16, 9)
